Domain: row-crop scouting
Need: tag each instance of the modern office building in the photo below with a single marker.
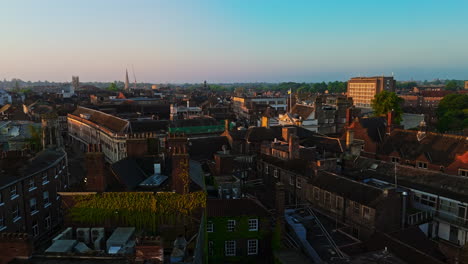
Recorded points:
(363, 89)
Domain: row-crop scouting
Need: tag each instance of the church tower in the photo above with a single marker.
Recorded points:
(127, 83)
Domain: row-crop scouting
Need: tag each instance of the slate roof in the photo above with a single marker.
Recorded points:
(110, 122)
(375, 127)
(259, 134)
(454, 187)
(139, 126)
(206, 147)
(128, 172)
(235, 208)
(439, 149)
(354, 190)
(303, 111)
(298, 166)
(324, 143)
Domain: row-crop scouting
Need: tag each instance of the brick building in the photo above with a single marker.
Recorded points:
(29, 200)
(363, 89)
(238, 230)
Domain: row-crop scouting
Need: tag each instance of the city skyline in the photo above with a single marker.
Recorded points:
(226, 42)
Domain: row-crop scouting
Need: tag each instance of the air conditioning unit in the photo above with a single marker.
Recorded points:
(97, 232)
(82, 235)
(99, 243)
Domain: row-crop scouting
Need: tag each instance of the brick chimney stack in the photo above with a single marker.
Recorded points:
(293, 144)
(349, 116)
(390, 121)
(96, 172)
(178, 152)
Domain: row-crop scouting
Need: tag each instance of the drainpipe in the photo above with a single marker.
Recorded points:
(403, 209)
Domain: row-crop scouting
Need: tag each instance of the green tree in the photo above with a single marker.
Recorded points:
(34, 141)
(113, 87)
(452, 112)
(385, 102)
(451, 85)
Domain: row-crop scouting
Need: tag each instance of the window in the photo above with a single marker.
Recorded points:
(395, 159)
(316, 193)
(45, 178)
(252, 247)
(230, 248)
(298, 183)
(425, 199)
(266, 169)
(366, 213)
(422, 165)
(463, 172)
(327, 197)
(291, 180)
(1, 199)
(15, 213)
(209, 227)
(275, 173)
(339, 203)
(2, 223)
(32, 184)
(33, 205)
(356, 208)
(35, 228)
(355, 232)
(13, 193)
(253, 224)
(45, 195)
(48, 221)
(231, 224)
(211, 248)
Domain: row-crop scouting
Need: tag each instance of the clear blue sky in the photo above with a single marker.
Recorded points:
(233, 40)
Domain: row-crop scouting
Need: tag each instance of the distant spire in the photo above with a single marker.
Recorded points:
(126, 80)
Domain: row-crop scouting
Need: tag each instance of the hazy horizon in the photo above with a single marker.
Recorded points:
(184, 41)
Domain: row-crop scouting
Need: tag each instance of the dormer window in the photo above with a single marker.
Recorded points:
(395, 160)
(463, 172)
(422, 165)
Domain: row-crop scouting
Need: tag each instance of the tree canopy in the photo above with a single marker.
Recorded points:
(452, 112)
(385, 102)
(113, 87)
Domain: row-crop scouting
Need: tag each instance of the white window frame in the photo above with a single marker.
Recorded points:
(291, 180)
(252, 247)
(46, 199)
(422, 165)
(33, 206)
(45, 178)
(231, 225)
(32, 184)
(209, 227)
(298, 183)
(364, 215)
(253, 224)
(463, 172)
(230, 248)
(35, 228)
(13, 192)
(275, 173)
(48, 221)
(266, 168)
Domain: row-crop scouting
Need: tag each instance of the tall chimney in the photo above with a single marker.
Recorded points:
(349, 138)
(349, 116)
(293, 145)
(390, 121)
(226, 124)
